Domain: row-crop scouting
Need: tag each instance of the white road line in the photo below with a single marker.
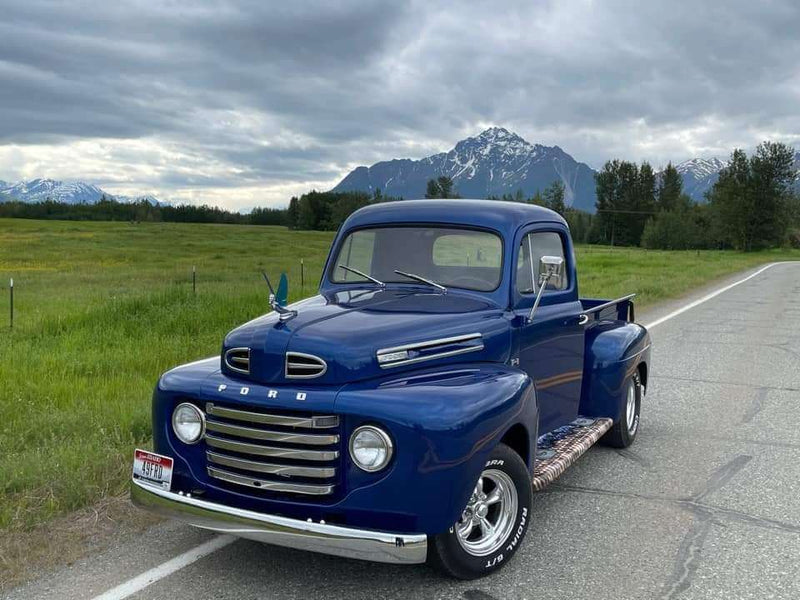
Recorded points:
(714, 294)
(140, 582)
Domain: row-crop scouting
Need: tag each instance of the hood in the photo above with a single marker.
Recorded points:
(346, 330)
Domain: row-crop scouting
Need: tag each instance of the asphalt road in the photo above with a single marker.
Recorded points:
(705, 504)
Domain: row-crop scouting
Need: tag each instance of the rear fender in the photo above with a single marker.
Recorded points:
(614, 351)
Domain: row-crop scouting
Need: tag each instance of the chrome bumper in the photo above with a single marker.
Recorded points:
(376, 546)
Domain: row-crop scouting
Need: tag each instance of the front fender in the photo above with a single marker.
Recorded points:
(444, 423)
(613, 352)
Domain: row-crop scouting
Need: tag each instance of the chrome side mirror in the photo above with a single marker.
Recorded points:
(550, 267)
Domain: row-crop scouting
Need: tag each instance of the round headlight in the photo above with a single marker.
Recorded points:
(370, 448)
(188, 423)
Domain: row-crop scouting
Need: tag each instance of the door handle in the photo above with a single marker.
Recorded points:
(583, 319)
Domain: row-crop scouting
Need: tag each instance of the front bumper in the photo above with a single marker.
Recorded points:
(376, 546)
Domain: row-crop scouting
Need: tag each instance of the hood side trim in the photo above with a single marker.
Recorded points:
(406, 351)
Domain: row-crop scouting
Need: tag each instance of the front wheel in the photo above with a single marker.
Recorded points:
(492, 524)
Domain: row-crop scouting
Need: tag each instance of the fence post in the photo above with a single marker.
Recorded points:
(194, 279)
(11, 294)
(302, 279)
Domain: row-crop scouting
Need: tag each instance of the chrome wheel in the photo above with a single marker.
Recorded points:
(630, 410)
(489, 517)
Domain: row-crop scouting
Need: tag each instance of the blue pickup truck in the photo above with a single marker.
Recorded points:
(446, 370)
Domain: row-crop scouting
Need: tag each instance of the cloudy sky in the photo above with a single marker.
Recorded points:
(246, 103)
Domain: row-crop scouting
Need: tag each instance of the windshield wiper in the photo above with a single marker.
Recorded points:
(364, 275)
(421, 279)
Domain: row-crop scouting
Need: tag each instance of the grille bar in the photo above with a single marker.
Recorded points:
(311, 439)
(270, 468)
(292, 452)
(274, 486)
(315, 422)
(272, 451)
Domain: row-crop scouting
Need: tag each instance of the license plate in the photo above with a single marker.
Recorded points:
(152, 468)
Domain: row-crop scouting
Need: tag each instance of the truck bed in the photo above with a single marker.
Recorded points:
(620, 309)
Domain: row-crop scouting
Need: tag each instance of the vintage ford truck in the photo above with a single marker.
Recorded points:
(445, 371)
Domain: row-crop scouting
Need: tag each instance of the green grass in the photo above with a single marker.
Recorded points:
(103, 308)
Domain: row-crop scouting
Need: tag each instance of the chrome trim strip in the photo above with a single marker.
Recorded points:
(245, 371)
(258, 450)
(609, 304)
(270, 486)
(322, 364)
(270, 469)
(363, 544)
(315, 422)
(420, 359)
(429, 343)
(312, 439)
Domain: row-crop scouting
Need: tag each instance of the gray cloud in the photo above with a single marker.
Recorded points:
(248, 100)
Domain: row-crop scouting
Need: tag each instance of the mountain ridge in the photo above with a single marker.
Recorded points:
(493, 163)
(69, 192)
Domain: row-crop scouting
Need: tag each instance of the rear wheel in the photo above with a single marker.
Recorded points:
(622, 434)
(493, 523)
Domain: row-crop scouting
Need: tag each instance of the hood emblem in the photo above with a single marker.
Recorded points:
(279, 299)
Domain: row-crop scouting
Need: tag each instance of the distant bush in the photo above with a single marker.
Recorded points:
(685, 228)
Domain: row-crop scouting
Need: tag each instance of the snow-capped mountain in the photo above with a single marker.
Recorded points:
(496, 162)
(37, 190)
(699, 175)
(71, 192)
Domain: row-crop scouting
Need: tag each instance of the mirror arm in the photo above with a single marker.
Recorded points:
(543, 279)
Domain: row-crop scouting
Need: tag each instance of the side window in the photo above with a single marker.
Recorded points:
(533, 247)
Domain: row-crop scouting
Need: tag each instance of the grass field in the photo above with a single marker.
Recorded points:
(103, 308)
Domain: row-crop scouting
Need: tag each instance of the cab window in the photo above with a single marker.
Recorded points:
(534, 246)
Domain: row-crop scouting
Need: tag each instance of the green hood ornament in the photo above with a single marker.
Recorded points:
(278, 300)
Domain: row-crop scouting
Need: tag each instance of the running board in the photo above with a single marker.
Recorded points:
(557, 450)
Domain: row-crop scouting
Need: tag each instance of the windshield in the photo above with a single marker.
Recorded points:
(452, 257)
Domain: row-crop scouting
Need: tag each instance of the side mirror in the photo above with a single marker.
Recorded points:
(550, 267)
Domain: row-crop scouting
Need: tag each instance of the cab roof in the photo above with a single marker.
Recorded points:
(495, 214)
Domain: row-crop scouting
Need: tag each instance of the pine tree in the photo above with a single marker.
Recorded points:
(670, 189)
(446, 187)
(625, 200)
(554, 197)
(433, 190)
(292, 213)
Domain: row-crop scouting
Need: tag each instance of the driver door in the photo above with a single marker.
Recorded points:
(551, 346)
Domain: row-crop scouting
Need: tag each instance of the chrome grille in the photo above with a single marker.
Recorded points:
(238, 359)
(274, 452)
(304, 366)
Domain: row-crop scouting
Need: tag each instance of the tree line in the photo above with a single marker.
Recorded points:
(753, 205)
(108, 209)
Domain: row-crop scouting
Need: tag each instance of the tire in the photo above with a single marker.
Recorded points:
(466, 551)
(623, 432)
